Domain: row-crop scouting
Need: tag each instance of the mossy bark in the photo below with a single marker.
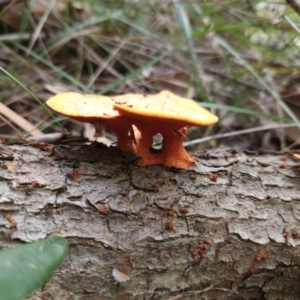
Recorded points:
(225, 229)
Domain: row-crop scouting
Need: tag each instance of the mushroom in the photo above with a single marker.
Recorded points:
(136, 118)
(97, 110)
(169, 115)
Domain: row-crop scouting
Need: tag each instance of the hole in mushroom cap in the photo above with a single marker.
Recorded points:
(157, 142)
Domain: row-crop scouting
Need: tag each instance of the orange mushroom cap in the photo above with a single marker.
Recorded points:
(94, 109)
(84, 108)
(164, 108)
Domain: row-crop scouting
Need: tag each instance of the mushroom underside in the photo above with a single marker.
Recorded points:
(171, 154)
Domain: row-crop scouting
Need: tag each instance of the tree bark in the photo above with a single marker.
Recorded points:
(227, 228)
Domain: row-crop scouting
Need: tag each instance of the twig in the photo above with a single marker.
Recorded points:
(8, 6)
(199, 292)
(295, 5)
(238, 132)
(182, 296)
(19, 120)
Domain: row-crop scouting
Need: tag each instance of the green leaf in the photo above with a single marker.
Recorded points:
(25, 268)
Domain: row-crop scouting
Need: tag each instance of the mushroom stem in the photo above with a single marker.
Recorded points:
(173, 151)
(145, 151)
(126, 142)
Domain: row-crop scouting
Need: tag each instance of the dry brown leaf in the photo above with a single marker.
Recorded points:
(296, 155)
(39, 145)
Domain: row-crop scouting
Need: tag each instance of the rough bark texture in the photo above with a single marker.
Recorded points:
(225, 229)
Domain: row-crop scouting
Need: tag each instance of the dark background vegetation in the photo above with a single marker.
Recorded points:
(238, 58)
